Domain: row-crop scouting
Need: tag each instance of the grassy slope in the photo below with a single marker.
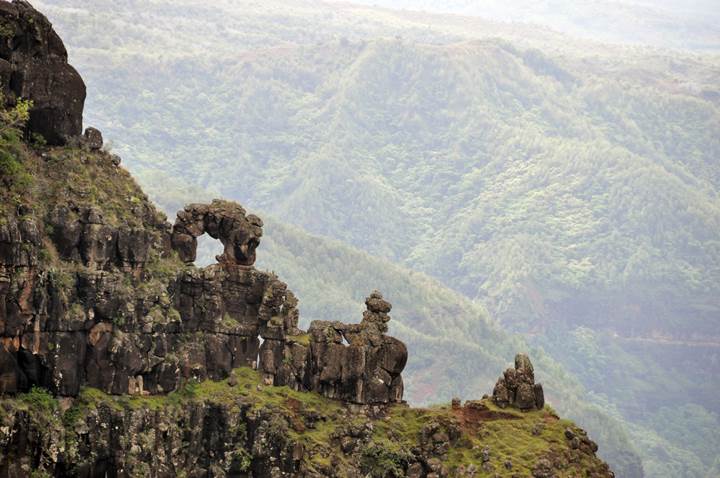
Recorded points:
(509, 436)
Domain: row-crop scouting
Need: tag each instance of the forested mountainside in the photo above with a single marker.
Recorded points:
(569, 188)
(662, 23)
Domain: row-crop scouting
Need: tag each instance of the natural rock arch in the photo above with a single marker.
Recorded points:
(223, 220)
(357, 363)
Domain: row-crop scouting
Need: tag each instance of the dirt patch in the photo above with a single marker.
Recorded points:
(295, 407)
(471, 417)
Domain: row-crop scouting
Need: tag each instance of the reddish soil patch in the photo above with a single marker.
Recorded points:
(471, 417)
(549, 418)
(294, 406)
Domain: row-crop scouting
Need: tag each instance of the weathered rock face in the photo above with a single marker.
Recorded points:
(367, 369)
(34, 66)
(223, 220)
(108, 323)
(517, 387)
(198, 440)
(239, 428)
(81, 234)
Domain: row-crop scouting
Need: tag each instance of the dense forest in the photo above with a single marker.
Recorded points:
(489, 177)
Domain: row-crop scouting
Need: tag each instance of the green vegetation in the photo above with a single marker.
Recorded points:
(39, 399)
(569, 188)
(13, 174)
(380, 461)
(42, 178)
(521, 438)
(303, 339)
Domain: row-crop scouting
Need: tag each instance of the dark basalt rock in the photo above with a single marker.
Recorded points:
(81, 234)
(95, 329)
(517, 387)
(223, 220)
(92, 138)
(34, 66)
(367, 369)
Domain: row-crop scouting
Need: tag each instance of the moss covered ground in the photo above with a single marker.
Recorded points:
(468, 435)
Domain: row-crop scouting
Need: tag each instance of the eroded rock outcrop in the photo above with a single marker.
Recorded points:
(517, 387)
(34, 66)
(357, 362)
(82, 234)
(108, 323)
(224, 220)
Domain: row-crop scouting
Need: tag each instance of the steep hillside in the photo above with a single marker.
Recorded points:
(119, 357)
(444, 331)
(572, 190)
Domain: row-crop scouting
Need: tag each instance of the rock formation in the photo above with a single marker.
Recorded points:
(93, 139)
(223, 220)
(517, 387)
(82, 234)
(367, 369)
(34, 66)
(94, 329)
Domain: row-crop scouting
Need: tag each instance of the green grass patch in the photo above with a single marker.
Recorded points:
(39, 399)
(302, 339)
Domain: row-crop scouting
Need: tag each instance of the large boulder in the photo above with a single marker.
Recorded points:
(34, 66)
(357, 362)
(517, 387)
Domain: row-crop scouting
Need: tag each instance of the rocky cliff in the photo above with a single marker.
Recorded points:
(34, 66)
(119, 357)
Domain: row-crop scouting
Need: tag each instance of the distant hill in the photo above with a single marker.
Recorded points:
(570, 188)
(691, 25)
